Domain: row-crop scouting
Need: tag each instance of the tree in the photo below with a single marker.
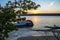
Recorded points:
(55, 32)
(23, 5)
(5, 22)
(7, 13)
(27, 5)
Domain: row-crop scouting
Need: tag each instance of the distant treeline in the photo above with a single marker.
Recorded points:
(56, 14)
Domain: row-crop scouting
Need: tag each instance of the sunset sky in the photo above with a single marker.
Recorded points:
(47, 6)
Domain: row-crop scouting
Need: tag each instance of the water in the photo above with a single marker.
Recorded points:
(39, 23)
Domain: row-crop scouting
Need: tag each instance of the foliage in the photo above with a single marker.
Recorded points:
(5, 23)
(55, 32)
(7, 13)
(23, 5)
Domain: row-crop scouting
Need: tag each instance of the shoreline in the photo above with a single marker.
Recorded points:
(56, 14)
(38, 38)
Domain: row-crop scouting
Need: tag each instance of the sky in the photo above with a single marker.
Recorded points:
(47, 6)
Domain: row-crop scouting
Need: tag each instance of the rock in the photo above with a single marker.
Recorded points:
(24, 23)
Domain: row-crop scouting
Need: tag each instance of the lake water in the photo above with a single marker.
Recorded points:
(39, 23)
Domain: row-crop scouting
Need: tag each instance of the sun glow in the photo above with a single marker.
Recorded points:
(29, 11)
(34, 11)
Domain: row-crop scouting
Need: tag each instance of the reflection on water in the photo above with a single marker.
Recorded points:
(35, 19)
(41, 21)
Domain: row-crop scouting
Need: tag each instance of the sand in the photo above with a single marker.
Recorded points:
(38, 38)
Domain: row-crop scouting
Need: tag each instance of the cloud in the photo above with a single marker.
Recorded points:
(52, 3)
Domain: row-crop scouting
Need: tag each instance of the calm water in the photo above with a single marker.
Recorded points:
(39, 23)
